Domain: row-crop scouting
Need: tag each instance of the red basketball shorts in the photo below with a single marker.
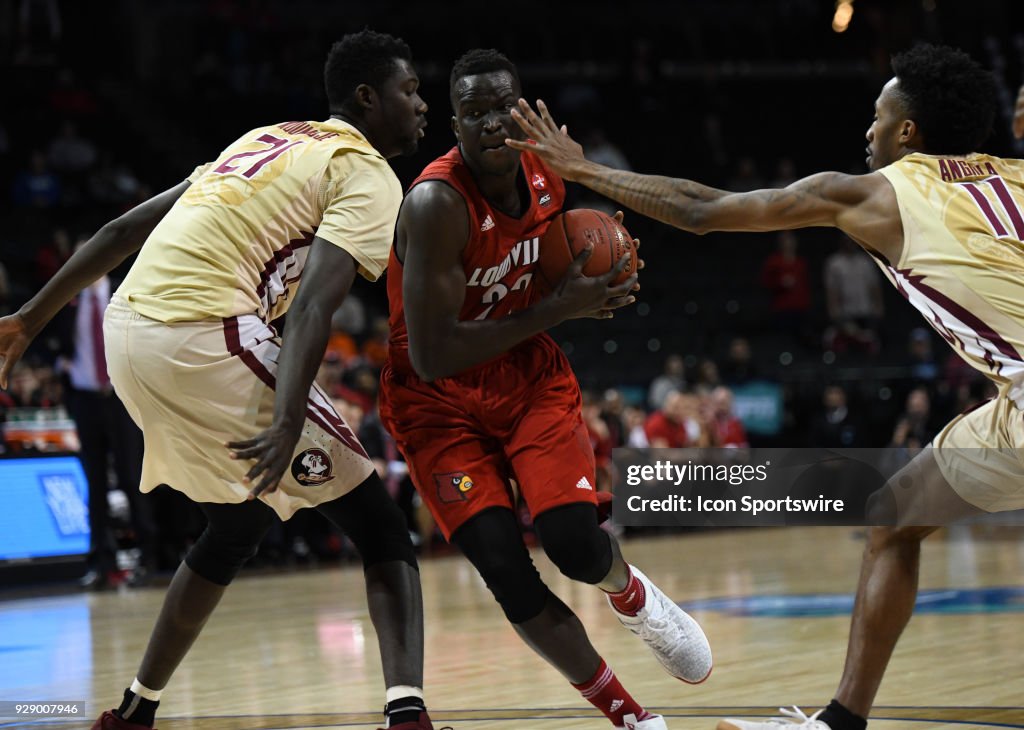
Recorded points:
(464, 437)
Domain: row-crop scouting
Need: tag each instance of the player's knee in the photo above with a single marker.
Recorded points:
(573, 541)
(515, 584)
(218, 557)
(374, 523)
(881, 507)
(385, 539)
(587, 561)
(886, 537)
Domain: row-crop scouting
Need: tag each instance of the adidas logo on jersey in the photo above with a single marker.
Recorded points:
(616, 704)
(584, 483)
(488, 223)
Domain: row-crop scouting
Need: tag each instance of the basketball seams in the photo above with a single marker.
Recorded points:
(577, 227)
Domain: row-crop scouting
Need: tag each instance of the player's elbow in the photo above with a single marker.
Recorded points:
(695, 218)
(115, 239)
(425, 363)
(125, 234)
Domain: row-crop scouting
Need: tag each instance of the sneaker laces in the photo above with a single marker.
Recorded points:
(796, 716)
(659, 629)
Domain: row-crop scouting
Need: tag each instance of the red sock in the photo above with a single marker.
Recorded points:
(631, 599)
(606, 693)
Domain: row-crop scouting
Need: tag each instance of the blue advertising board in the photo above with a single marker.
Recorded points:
(44, 508)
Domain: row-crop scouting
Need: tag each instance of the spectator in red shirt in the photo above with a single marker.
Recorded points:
(727, 429)
(784, 276)
(666, 428)
(52, 255)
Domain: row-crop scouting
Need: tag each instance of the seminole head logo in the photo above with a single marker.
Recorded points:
(453, 486)
(312, 466)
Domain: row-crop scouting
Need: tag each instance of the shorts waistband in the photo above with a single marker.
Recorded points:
(120, 308)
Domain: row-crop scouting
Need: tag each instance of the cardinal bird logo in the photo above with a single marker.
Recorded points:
(453, 486)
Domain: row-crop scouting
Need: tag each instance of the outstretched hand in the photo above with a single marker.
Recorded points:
(561, 152)
(578, 295)
(14, 340)
(272, 450)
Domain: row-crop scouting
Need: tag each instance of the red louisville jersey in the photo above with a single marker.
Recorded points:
(502, 251)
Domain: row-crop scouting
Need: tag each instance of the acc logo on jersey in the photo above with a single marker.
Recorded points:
(545, 199)
(453, 486)
(312, 466)
(539, 181)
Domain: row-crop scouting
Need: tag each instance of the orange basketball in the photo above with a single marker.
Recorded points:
(570, 232)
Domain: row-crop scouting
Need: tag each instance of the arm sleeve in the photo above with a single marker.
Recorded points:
(198, 172)
(361, 207)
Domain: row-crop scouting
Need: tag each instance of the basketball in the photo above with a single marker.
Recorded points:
(570, 232)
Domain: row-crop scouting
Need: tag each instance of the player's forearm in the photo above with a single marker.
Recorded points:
(471, 343)
(674, 201)
(111, 245)
(302, 351)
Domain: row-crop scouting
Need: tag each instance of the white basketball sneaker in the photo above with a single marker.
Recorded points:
(655, 722)
(792, 719)
(676, 639)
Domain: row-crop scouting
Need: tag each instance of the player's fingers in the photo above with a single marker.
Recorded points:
(545, 115)
(621, 265)
(267, 485)
(10, 358)
(636, 243)
(524, 124)
(519, 144)
(250, 453)
(530, 121)
(258, 468)
(244, 444)
(565, 129)
(617, 302)
(625, 287)
(581, 259)
(619, 215)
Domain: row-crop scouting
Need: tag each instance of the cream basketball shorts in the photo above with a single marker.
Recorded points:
(192, 386)
(979, 454)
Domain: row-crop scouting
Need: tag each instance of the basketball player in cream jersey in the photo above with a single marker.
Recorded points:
(229, 411)
(946, 225)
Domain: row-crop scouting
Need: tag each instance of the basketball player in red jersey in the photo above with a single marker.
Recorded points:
(477, 395)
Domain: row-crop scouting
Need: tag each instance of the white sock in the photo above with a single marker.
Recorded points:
(141, 690)
(402, 690)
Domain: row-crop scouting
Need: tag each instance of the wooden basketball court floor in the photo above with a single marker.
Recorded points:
(297, 651)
